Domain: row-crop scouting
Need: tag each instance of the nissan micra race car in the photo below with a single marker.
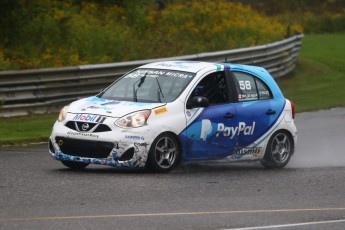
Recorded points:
(163, 113)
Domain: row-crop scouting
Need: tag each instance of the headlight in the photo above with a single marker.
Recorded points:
(62, 114)
(134, 120)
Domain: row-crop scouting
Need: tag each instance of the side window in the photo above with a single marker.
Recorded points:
(264, 92)
(246, 87)
(214, 87)
(250, 88)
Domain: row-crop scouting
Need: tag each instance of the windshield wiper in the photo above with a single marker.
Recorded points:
(142, 79)
(159, 91)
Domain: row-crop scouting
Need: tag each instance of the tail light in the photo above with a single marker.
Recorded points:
(292, 109)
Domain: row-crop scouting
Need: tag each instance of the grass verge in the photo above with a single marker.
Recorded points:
(317, 83)
(319, 79)
(23, 130)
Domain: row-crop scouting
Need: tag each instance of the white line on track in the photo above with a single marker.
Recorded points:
(288, 225)
(168, 214)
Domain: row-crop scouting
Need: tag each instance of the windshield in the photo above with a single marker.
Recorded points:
(149, 85)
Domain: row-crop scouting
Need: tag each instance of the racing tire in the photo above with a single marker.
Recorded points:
(164, 154)
(74, 165)
(278, 151)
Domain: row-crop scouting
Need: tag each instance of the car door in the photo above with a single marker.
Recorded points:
(210, 131)
(256, 110)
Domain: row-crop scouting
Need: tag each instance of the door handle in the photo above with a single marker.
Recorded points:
(270, 112)
(228, 115)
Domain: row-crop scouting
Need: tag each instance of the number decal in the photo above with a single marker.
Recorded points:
(245, 85)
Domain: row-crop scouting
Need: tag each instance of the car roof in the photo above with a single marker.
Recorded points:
(187, 66)
(196, 66)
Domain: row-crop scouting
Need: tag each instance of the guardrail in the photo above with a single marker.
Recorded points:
(42, 91)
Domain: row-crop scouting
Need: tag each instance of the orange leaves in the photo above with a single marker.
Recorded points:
(67, 34)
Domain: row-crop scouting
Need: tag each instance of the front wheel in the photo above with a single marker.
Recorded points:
(164, 153)
(75, 165)
(279, 150)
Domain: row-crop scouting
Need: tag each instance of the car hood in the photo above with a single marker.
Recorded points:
(96, 105)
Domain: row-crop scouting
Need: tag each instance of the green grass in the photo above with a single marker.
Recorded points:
(318, 82)
(22, 130)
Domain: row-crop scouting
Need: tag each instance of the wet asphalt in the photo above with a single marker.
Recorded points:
(38, 192)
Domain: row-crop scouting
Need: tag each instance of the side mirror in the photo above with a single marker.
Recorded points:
(198, 102)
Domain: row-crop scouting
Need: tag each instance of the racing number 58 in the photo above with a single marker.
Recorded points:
(245, 85)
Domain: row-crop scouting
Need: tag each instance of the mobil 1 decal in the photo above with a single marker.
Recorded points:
(89, 118)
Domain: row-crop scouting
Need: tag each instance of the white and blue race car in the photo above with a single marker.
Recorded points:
(163, 113)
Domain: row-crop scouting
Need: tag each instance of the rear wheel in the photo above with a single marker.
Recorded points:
(279, 150)
(164, 153)
(75, 165)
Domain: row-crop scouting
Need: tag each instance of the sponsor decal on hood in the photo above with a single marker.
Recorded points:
(100, 106)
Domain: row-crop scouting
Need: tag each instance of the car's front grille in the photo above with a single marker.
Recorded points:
(84, 148)
(87, 127)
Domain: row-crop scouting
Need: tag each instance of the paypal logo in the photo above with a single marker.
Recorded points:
(206, 129)
(225, 131)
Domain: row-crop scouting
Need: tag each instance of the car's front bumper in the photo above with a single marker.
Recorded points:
(116, 148)
(138, 159)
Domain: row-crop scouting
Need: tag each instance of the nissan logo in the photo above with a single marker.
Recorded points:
(85, 126)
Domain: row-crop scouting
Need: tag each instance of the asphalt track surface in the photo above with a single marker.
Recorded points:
(37, 192)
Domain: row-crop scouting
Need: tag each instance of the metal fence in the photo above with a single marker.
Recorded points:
(43, 91)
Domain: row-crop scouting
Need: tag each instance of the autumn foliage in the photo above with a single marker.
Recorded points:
(40, 33)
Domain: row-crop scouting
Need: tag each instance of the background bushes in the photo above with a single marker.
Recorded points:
(40, 33)
(316, 16)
